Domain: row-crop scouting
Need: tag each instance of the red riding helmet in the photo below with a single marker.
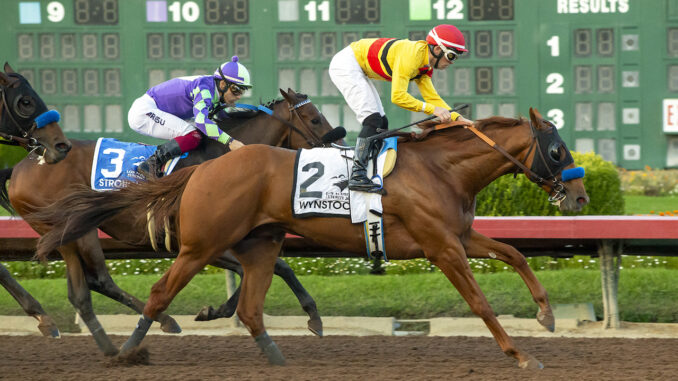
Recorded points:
(447, 37)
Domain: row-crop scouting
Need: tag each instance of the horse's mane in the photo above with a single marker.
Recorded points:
(275, 101)
(494, 122)
(237, 120)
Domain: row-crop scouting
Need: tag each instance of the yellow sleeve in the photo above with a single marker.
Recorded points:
(430, 95)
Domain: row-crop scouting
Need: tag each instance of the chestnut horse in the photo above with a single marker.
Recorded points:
(428, 212)
(26, 122)
(295, 123)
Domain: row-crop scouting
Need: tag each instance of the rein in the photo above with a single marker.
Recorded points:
(557, 193)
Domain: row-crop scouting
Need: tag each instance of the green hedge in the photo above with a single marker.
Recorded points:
(10, 155)
(507, 196)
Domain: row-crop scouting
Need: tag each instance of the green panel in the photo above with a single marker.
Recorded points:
(617, 60)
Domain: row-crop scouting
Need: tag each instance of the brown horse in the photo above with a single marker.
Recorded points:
(20, 107)
(428, 212)
(295, 123)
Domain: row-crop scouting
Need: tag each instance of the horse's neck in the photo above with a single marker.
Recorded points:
(263, 129)
(473, 164)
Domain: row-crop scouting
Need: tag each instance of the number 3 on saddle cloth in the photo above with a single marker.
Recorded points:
(321, 189)
(115, 163)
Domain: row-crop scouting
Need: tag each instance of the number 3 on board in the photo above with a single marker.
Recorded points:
(556, 115)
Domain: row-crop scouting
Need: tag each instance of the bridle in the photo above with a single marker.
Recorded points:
(294, 111)
(26, 140)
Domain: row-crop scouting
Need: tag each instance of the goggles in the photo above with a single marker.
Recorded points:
(237, 90)
(450, 54)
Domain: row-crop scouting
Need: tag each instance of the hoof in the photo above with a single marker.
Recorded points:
(205, 314)
(170, 326)
(531, 363)
(134, 356)
(48, 327)
(547, 320)
(316, 326)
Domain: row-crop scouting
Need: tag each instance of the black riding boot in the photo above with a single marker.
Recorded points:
(359, 180)
(152, 167)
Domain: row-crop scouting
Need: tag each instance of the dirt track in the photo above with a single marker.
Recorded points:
(342, 358)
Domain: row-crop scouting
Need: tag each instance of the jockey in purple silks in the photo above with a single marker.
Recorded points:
(165, 110)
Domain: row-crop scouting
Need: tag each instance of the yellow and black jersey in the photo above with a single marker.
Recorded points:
(399, 62)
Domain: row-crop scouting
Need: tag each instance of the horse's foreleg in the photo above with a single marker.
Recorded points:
(479, 246)
(258, 259)
(283, 270)
(99, 280)
(185, 267)
(46, 325)
(226, 310)
(451, 259)
(80, 297)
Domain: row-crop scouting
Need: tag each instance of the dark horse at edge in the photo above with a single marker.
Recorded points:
(295, 123)
(428, 212)
(20, 106)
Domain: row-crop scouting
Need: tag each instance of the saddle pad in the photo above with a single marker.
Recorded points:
(321, 183)
(115, 163)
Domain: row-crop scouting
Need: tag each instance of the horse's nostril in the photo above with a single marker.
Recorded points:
(63, 147)
(582, 200)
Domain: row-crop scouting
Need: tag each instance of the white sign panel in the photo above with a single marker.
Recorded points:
(670, 112)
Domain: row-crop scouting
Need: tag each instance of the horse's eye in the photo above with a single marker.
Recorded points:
(554, 152)
(315, 121)
(25, 106)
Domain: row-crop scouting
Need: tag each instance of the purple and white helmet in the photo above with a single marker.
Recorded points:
(234, 72)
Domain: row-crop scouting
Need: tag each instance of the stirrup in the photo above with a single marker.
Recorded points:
(368, 188)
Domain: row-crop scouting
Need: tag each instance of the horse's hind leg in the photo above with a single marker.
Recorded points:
(479, 246)
(189, 262)
(80, 297)
(99, 280)
(46, 325)
(226, 310)
(258, 257)
(283, 270)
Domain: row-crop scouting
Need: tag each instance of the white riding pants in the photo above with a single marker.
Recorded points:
(358, 91)
(147, 119)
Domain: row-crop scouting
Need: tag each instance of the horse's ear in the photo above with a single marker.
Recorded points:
(287, 97)
(535, 117)
(291, 92)
(4, 79)
(8, 69)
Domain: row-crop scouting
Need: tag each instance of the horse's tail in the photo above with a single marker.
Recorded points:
(5, 174)
(84, 209)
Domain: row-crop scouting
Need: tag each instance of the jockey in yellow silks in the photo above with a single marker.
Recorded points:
(399, 62)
